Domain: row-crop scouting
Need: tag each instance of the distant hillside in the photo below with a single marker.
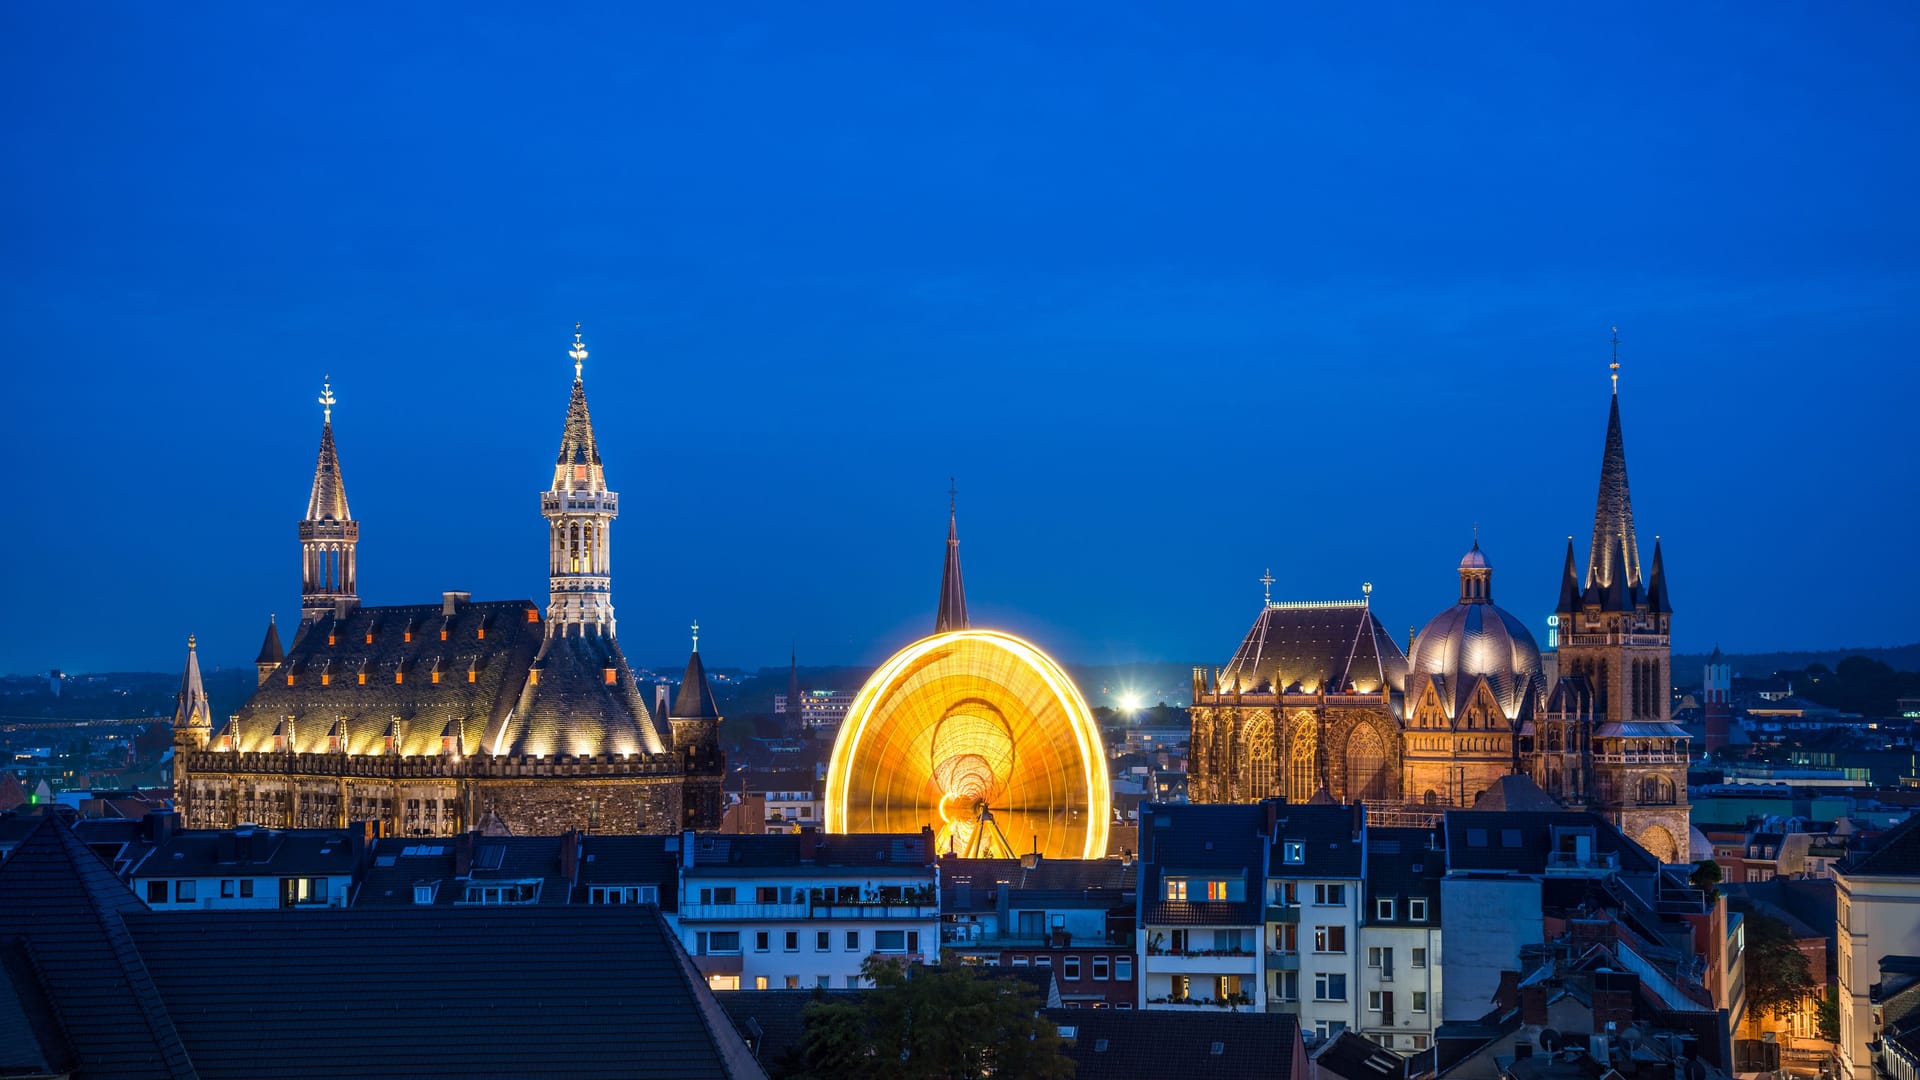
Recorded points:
(1687, 668)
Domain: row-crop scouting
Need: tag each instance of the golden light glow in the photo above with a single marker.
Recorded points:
(983, 737)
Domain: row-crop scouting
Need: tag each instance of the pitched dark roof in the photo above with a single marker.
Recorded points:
(1109, 1044)
(1317, 646)
(1897, 854)
(494, 635)
(65, 910)
(695, 700)
(633, 860)
(1227, 840)
(1569, 583)
(1523, 842)
(772, 1022)
(285, 852)
(1352, 1057)
(270, 650)
(1657, 600)
(863, 853)
(549, 991)
(328, 501)
(1403, 864)
(573, 709)
(1517, 791)
(952, 614)
(1327, 830)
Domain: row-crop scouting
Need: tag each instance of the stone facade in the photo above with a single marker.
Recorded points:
(429, 719)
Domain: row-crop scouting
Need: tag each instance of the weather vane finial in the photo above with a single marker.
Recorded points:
(578, 352)
(1614, 368)
(1366, 593)
(696, 635)
(1266, 580)
(326, 398)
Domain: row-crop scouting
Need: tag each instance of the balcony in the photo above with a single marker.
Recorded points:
(1643, 757)
(1205, 962)
(1283, 961)
(804, 910)
(1236, 1002)
(741, 912)
(1288, 913)
(726, 964)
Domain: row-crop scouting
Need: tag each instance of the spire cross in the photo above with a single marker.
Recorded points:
(696, 635)
(326, 398)
(1266, 580)
(1614, 368)
(578, 352)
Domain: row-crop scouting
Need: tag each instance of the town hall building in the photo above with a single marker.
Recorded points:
(438, 718)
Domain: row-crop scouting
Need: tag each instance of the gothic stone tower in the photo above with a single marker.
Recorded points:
(1615, 635)
(579, 511)
(695, 722)
(329, 536)
(192, 717)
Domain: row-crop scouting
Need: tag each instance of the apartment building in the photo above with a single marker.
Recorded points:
(1073, 917)
(1200, 922)
(1399, 952)
(1314, 891)
(802, 910)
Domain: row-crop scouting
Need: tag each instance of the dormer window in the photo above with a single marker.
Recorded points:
(1176, 888)
(1293, 852)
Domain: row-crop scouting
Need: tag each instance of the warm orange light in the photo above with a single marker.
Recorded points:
(965, 725)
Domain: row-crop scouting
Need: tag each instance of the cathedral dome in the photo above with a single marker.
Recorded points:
(1477, 640)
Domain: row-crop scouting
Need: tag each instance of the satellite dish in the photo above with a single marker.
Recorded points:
(1630, 1038)
(1550, 1040)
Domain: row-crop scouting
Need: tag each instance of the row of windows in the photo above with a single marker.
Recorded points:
(1121, 967)
(1375, 1000)
(727, 942)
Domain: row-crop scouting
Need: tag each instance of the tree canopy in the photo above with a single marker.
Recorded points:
(929, 1023)
(1779, 978)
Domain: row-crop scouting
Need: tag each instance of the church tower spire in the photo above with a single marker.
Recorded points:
(192, 722)
(579, 511)
(953, 593)
(328, 534)
(1616, 551)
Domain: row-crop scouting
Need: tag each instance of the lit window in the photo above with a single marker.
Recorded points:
(1293, 851)
(1216, 890)
(1176, 888)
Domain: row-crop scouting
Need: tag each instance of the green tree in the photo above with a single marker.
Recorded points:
(1828, 1016)
(1707, 877)
(1779, 979)
(929, 1023)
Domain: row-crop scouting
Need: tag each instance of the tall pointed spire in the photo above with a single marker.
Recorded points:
(191, 709)
(271, 653)
(329, 537)
(953, 593)
(695, 700)
(328, 502)
(1657, 600)
(1615, 551)
(579, 511)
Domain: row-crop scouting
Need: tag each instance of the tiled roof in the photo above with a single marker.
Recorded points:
(68, 912)
(633, 860)
(1222, 839)
(695, 701)
(290, 853)
(1332, 850)
(328, 502)
(573, 709)
(1402, 866)
(1110, 1044)
(772, 1022)
(1897, 854)
(725, 853)
(1352, 1057)
(327, 686)
(1319, 646)
(271, 651)
(564, 991)
(1523, 842)
(1518, 792)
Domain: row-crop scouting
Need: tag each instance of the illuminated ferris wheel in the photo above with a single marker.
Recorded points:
(981, 736)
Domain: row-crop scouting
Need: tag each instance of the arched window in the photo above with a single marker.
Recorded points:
(1656, 791)
(1366, 765)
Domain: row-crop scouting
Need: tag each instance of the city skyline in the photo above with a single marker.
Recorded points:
(1160, 347)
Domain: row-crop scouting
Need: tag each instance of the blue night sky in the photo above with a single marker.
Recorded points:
(1177, 297)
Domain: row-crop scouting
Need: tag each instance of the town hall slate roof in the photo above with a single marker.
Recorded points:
(561, 991)
(483, 654)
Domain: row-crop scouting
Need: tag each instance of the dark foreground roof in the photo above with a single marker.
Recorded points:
(1112, 1044)
(567, 991)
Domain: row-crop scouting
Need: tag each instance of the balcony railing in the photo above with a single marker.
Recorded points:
(1283, 961)
(1283, 913)
(717, 912)
(1643, 757)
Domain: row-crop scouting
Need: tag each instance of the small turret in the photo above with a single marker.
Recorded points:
(272, 655)
(695, 716)
(329, 537)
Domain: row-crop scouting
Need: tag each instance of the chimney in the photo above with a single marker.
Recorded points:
(1508, 995)
(226, 849)
(1533, 1004)
(1273, 818)
(569, 855)
(451, 602)
(160, 826)
(463, 855)
(809, 846)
